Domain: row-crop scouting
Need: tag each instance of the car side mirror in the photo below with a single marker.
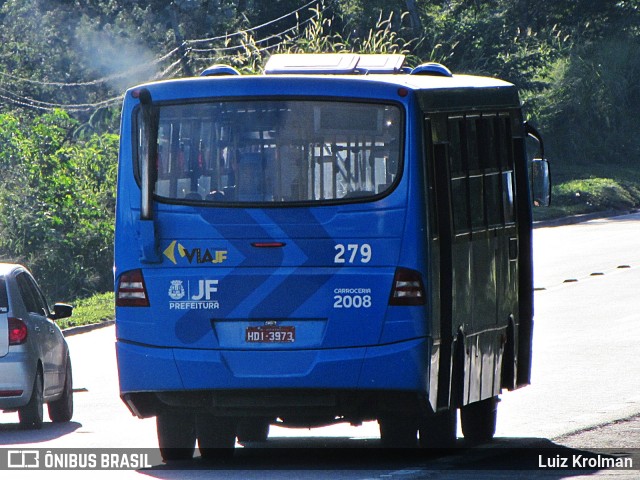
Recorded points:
(62, 310)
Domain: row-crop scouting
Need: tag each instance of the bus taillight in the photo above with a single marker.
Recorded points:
(407, 288)
(131, 290)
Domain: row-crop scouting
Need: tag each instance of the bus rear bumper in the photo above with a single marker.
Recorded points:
(193, 374)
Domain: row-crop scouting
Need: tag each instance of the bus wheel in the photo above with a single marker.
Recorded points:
(478, 420)
(253, 430)
(397, 431)
(216, 436)
(176, 435)
(439, 430)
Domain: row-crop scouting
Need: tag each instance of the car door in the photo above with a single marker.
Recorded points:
(46, 341)
(57, 351)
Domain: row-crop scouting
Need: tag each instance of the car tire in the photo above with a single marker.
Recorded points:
(61, 410)
(32, 414)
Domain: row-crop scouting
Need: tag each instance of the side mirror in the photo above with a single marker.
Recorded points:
(62, 310)
(540, 182)
(148, 151)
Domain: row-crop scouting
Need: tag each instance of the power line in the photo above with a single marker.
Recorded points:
(164, 57)
(243, 32)
(18, 99)
(98, 81)
(240, 47)
(173, 69)
(257, 42)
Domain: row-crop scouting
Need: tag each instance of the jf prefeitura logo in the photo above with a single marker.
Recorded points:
(193, 295)
(193, 256)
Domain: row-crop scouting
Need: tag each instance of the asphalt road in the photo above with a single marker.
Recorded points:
(584, 399)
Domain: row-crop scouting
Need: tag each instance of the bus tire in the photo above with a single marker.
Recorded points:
(478, 420)
(397, 431)
(216, 436)
(253, 430)
(439, 430)
(176, 435)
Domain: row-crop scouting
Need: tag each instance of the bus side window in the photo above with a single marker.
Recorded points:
(480, 157)
(490, 153)
(489, 156)
(471, 137)
(459, 180)
(476, 178)
(493, 199)
(476, 194)
(505, 147)
(508, 198)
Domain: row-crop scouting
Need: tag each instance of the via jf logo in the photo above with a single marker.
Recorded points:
(194, 255)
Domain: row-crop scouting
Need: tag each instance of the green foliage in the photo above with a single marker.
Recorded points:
(319, 36)
(591, 104)
(594, 187)
(88, 311)
(597, 194)
(57, 203)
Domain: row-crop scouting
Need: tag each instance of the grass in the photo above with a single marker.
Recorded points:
(87, 311)
(580, 189)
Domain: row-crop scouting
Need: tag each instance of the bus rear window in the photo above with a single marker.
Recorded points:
(270, 152)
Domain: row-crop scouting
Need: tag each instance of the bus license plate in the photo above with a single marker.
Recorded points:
(270, 334)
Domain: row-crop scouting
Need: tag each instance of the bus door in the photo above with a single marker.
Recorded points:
(474, 191)
(442, 258)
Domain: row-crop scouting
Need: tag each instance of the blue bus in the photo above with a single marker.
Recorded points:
(339, 239)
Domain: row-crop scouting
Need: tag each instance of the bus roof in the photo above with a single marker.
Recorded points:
(434, 85)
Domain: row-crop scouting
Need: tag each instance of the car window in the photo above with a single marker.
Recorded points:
(31, 295)
(40, 299)
(4, 301)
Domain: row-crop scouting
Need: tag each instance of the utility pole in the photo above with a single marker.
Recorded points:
(182, 49)
(416, 24)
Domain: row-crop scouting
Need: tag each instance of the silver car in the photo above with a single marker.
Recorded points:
(35, 367)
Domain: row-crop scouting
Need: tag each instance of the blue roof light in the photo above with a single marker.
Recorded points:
(432, 68)
(219, 70)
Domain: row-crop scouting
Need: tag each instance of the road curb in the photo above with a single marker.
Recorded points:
(585, 217)
(67, 332)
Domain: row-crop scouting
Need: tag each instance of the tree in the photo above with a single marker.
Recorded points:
(57, 200)
(590, 105)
